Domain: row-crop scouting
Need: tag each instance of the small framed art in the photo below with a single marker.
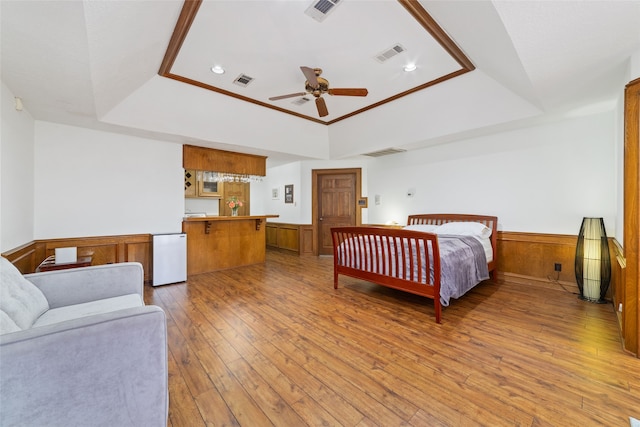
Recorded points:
(288, 193)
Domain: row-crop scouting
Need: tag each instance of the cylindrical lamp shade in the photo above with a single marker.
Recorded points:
(593, 262)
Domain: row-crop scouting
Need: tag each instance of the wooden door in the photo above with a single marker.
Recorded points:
(240, 190)
(336, 200)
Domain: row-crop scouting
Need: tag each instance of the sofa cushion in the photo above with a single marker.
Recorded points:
(7, 324)
(20, 299)
(107, 305)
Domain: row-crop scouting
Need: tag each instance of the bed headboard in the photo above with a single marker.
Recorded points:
(438, 219)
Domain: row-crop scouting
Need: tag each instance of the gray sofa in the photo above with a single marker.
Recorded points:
(78, 347)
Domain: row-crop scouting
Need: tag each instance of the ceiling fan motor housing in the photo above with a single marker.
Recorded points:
(323, 87)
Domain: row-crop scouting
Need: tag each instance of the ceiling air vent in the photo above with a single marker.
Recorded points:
(243, 80)
(319, 9)
(385, 152)
(390, 53)
(301, 101)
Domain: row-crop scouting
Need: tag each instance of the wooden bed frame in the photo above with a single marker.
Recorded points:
(409, 263)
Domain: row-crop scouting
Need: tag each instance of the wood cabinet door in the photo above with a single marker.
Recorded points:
(207, 187)
(336, 206)
(240, 190)
(190, 186)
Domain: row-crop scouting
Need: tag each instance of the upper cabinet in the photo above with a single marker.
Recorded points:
(207, 159)
(190, 183)
(207, 185)
(201, 184)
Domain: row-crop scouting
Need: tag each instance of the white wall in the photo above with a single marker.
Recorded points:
(542, 179)
(634, 66)
(208, 205)
(16, 173)
(93, 183)
(276, 179)
(300, 175)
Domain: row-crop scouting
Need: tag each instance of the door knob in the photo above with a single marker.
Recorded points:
(321, 218)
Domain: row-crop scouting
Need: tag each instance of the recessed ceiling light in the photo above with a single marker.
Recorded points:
(410, 67)
(217, 69)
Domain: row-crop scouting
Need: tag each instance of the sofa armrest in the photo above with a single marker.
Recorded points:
(110, 367)
(80, 285)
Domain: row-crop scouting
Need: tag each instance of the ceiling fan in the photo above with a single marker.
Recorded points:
(317, 85)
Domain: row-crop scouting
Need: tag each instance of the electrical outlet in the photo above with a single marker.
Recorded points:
(557, 266)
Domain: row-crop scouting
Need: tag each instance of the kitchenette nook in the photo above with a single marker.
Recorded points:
(221, 232)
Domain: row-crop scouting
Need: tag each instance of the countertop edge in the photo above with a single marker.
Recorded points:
(226, 218)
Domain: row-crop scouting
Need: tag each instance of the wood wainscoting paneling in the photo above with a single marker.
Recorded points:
(296, 238)
(24, 257)
(306, 239)
(527, 257)
(530, 258)
(618, 279)
(103, 249)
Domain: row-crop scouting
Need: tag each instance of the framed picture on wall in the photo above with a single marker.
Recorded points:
(288, 193)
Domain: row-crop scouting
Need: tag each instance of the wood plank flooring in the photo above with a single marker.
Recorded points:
(276, 345)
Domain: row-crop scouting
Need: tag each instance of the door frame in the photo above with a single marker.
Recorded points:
(630, 327)
(315, 173)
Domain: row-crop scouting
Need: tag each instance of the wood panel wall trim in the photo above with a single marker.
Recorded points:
(556, 239)
(187, 15)
(104, 249)
(441, 36)
(209, 159)
(295, 238)
(618, 253)
(23, 257)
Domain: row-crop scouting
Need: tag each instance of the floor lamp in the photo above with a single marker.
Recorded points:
(593, 262)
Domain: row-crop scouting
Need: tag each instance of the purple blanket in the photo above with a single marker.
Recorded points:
(463, 265)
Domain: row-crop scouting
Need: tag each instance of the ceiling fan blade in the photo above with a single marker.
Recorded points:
(348, 91)
(310, 74)
(291, 95)
(322, 107)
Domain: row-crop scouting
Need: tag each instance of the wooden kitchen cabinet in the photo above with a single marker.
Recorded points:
(239, 190)
(190, 184)
(199, 183)
(207, 187)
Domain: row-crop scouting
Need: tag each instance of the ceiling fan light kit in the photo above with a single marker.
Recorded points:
(317, 86)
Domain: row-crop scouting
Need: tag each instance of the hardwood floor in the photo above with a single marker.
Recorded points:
(275, 344)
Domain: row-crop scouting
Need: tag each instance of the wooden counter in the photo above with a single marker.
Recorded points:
(221, 242)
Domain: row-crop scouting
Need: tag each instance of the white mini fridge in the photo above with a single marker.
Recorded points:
(169, 258)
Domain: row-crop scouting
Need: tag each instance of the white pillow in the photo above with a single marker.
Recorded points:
(464, 229)
(20, 299)
(425, 228)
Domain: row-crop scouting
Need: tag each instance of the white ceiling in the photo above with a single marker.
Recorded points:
(95, 64)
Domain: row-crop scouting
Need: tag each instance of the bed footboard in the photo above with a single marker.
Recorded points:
(400, 259)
